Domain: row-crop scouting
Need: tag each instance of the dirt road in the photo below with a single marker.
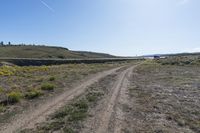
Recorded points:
(128, 99)
(108, 115)
(39, 114)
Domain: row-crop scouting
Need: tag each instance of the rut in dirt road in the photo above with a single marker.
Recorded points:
(103, 113)
(39, 114)
(118, 120)
(106, 116)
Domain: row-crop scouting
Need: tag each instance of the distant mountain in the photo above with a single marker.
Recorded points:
(174, 54)
(30, 51)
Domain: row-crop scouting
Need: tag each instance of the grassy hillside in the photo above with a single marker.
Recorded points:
(46, 52)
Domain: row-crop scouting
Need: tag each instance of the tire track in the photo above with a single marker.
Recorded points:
(109, 110)
(39, 114)
(119, 116)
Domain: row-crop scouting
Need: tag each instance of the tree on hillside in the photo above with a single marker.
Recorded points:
(9, 43)
(1, 43)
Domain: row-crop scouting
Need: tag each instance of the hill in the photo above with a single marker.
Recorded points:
(174, 54)
(29, 51)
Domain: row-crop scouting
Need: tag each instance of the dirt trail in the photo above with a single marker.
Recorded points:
(106, 115)
(40, 113)
(119, 115)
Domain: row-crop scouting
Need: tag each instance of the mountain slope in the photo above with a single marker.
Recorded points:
(29, 51)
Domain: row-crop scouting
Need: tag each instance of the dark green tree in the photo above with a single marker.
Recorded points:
(1, 43)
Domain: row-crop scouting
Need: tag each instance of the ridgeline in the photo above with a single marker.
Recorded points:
(46, 52)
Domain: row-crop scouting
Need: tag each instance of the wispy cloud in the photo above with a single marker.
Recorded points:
(47, 6)
(182, 2)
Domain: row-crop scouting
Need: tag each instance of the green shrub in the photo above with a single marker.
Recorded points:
(47, 86)
(61, 56)
(62, 113)
(187, 62)
(75, 112)
(68, 130)
(52, 78)
(39, 79)
(55, 125)
(33, 94)
(14, 97)
(77, 115)
(93, 96)
(80, 111)
(1, 90)
(81, 105)
(2, 108)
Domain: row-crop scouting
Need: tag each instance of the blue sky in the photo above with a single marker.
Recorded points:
(119, 27)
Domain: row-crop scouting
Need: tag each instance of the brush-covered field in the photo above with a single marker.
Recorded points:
(151, 96)
(165, 96)
(22, 87)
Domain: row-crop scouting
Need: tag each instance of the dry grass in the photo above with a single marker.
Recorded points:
(180, 60)
(28, 51)
(70, 118)
(31, 83)
(165, 98)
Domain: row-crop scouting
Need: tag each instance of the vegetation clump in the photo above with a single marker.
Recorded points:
(1, 90)
(52, 78)
(14, 97)
(74, 112)
(93, 96)
(2, 108)
(79, 111)
(33, 93)
(179, 61)
(7, 71)
(48, 86)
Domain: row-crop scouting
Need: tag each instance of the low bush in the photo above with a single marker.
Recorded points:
(68, 130)
(61, 56)
(2, 108)
(1, 90)
(52, 78)
(81, 104)
(47, 86)
(14, 97)
(33, 93)
(77, 115)
(61, 114)
(80, 111)
(7, 71)
(93, 96)
(39, 79)
(75, 112)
